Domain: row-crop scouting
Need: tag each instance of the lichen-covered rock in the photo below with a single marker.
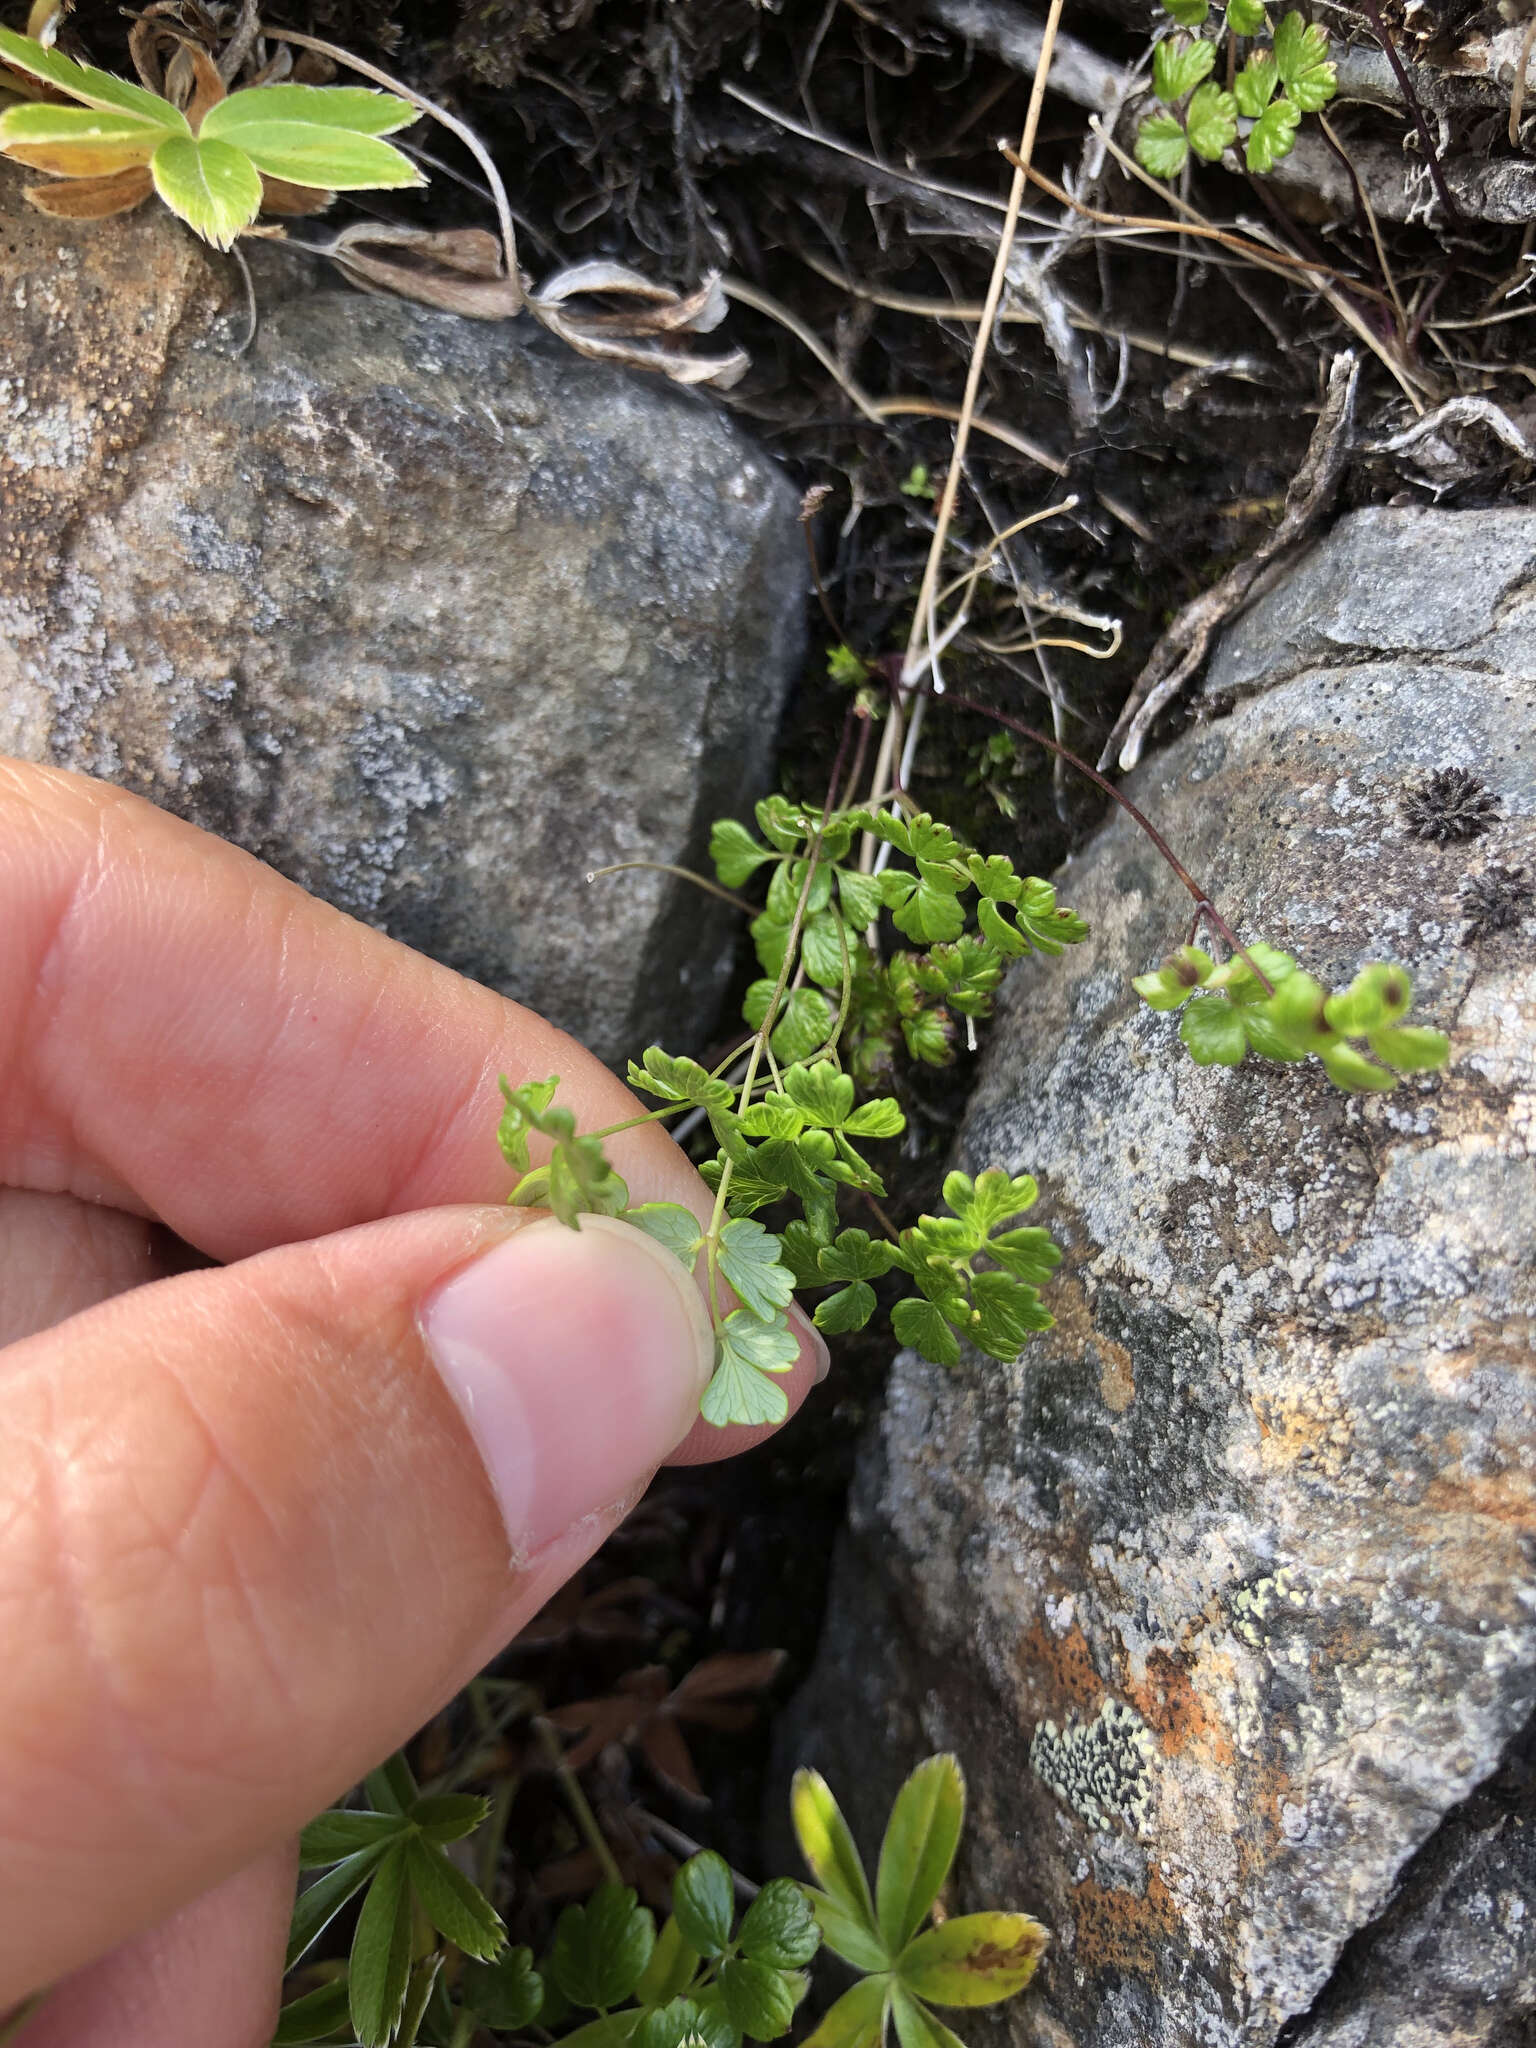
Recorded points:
(1226, 1593)
(428, 613)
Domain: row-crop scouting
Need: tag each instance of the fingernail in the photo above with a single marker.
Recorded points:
(577, 1358)
(811, 1336)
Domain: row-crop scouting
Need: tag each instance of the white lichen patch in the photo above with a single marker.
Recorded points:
(1103, 1769)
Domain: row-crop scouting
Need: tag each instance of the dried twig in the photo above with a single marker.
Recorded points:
(1185, 644)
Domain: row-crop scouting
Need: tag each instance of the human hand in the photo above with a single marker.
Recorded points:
(259, 1520)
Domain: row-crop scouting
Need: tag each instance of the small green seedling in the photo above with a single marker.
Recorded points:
(707, 1979)
(1278, 82)
(216, 165)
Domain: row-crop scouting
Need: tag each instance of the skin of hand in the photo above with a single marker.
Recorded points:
(267, 1504)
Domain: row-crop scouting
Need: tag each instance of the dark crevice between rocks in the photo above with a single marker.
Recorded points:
(1454, 1950)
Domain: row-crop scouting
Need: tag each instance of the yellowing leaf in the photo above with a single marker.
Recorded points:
(353, 109)
(91, 87)
(921, 1838)
(857, 2020)
(828, 1848)
(77, 142)
(93, 198)
(211, 186)
(974, 1959)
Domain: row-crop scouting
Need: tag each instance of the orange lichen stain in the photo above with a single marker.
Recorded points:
(1167, 1701)
(1059, 1671)
(1116, 1930)
(1117, 1383)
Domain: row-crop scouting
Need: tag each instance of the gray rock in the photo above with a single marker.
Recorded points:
(430, 614)
(1226, 1593)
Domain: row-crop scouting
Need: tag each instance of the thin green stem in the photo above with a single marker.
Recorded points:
(494, 1835)
(665, 867)
(632, 1123)
(576, 1799)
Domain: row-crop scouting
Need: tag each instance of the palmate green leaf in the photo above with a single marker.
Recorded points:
(672, 1225)
(736, 854)
(925, 906)
(1162, 146)
(318, 2016)
(919, 1324)
(805, 1020)
(91, 87)
(1028, 1254)
(380, 1968)
(759, 2000)
(1179, 64)
(1211, 119)
(525, 1111)
(682, 2023)
(507, 1994)
(1254, 86)
(677, 1079)
(849, 1309)
(456, 1907)
(830, 1855)
(1212, 1031)
(746, 1350)
(212, 186)
(1004, 1314)
(858, 2018)
(317, 1906)
(779, 1927)
(825, 950)
(1246, 17)
(749, 1259)
(973, 1959)
(1273, 135)
(1377, 997)
(823, 1095)
(704, 1902)
(855, 1255)
(313, 155)
(992, 1198)
(921, 1838)
(1301, 56)
(860, 897)
(600, 1949)
(1413, 1049)
(581, 1183)
(916, 2026)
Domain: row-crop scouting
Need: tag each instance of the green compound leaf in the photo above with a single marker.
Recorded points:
(845, 668)
(856, 1256)
(91, 87)
(992, 1198)
(704, 1902)
(916, 2026)
(678, 1080)
(857, 2020)
(1254, 86)
(736, 854)
(1212, 1030)
(920, 1325)
(800, 1249)
(1378, 996)
(973, 1959)
(1211, 119)
(759, 2000)
(1187, 13)
(822, 1095)
(1301, 56)
(1349, 1068)
(747, 1350)
(921, 1838)
(212, 186)
(925, 906)
(508, 1994)
(380, 1969)
(525, 1111)
(1176, 980)
(601, 1949)
(1004, 1314)
(770, 940)
(779, 1928)
(316, 2017)
(1246, 17)
(860, 897)
(1178, 65)
(752, 1268)
(457, 1908)
(825, 949)
(849, 1309)
(672, 1225)
(1273, 135)
(805, 1020)
(1162, 146)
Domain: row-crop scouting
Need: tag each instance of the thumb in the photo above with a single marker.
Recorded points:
(257, 1524)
